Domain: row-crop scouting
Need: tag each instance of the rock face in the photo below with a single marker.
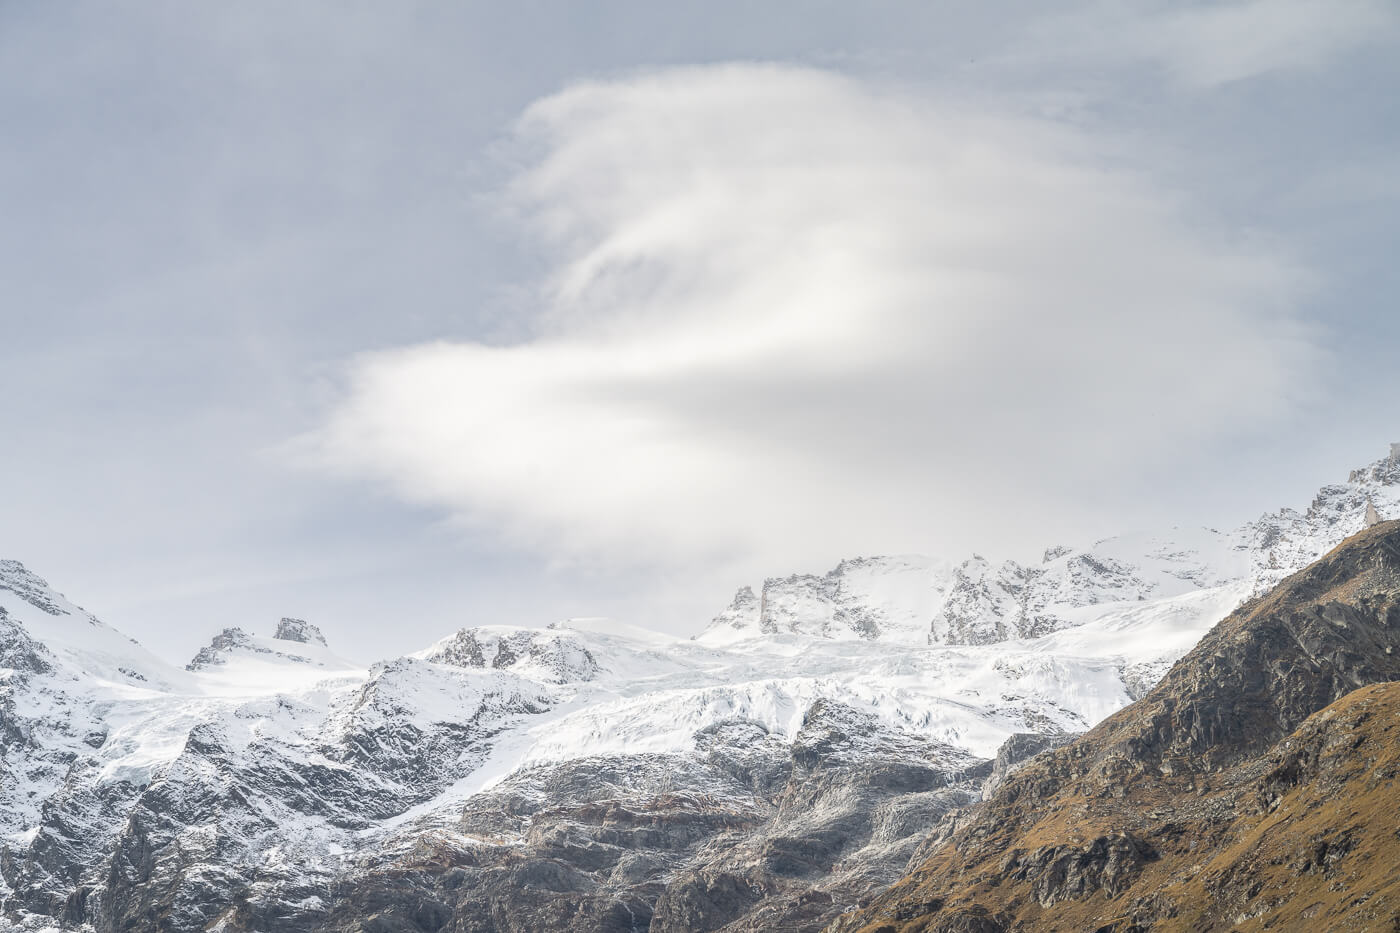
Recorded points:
(750, 833)
(299, 630)
(554, 657)
(295, 641)
(27, 586)
(218, 649)
(1248, 787)
(1015, 752)
(921, 601)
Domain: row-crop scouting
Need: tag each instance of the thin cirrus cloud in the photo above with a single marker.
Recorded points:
(1207, 45)
(792, 314)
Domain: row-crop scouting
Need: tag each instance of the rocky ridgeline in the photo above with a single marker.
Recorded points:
(979, 602)
(299, 630)
(552, 657)
(823, 736)
(919, 601)
(232, 642)
(28, 586)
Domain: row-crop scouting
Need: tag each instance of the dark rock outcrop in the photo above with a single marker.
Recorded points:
(552, 656)
(217, 651)
(299, 630)
(1016, 751)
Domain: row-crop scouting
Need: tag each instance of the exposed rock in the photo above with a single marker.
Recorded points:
(233, 642)
(18, 651)
(1063, 872)
(28, 586)
(1016, 751)
(747, 834)
(216, 652)
(551, 656)
(299, 630)
(744, 612)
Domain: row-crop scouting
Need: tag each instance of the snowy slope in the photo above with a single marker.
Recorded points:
(271, 767)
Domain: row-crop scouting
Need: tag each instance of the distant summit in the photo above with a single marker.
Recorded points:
(218, 649)
(29, 587)
(299, 630)
(296, 641)
(918, 600)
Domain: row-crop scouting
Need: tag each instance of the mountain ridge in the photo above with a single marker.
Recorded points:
(746, 778)
(977, 601)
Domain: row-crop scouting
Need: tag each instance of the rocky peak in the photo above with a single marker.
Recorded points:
(299, 630)
(743, 612)
(217, 651)
(551, 656)
(1384, 472)
(235, 642)
(29, 587)
(869, 598)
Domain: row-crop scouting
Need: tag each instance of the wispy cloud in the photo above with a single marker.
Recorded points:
(792, 314)
(1203, 45)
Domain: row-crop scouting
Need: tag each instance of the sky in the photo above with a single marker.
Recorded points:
(406, 317)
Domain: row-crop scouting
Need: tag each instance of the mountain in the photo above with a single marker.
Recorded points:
(1253, 788)
(781, 766)
(917, 600)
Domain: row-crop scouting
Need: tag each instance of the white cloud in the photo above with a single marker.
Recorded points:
(1209, 44)
(794, 315)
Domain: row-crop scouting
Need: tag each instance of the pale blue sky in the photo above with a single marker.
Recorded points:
(210, 213)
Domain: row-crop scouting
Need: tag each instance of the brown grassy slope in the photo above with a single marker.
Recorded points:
(1200, 807)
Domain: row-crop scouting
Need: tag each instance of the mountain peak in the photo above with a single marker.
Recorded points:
(299, 630)
(296, 642)
(219, 648)
(30, 587)
(551, 656)
(1384, 472)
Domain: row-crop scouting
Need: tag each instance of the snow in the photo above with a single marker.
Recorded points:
(1167, 627)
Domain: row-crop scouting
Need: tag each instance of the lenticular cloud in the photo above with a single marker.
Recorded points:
(791, 314)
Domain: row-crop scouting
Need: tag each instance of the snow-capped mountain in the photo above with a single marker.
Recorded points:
(593, 775)
(919, 600)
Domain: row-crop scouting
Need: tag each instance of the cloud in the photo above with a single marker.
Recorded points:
(1212, 44)
(791, 314)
